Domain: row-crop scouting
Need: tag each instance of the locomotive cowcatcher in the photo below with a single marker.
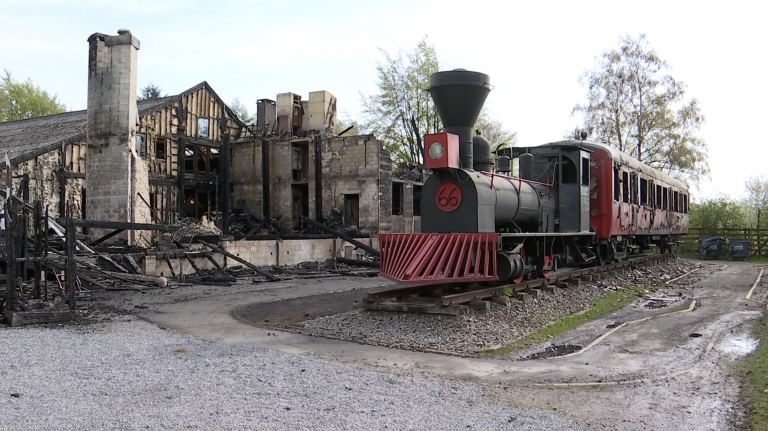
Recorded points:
(574, 203)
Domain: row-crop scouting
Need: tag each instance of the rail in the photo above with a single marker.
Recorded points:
(442, 303)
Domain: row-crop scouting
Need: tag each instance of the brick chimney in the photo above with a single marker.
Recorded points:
(114, 172)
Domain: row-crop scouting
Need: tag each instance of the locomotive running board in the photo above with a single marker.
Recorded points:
(427, 258)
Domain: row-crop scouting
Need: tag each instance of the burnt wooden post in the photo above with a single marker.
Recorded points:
(318, 180)
(265, 179)
(62, 177)
(10, 238)
(45, 253)
(37, 221)
(182, 114)
(71, 273)
(25, 225)
(225, 167)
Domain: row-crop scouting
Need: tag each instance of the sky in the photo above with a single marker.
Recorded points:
(534, 52)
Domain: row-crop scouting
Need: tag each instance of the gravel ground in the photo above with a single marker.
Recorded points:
(131, 375)
(484, 330)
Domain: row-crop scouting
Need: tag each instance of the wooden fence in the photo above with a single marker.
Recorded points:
(758, 238)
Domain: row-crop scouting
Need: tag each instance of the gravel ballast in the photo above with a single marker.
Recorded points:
(478, 331)
(133, 375)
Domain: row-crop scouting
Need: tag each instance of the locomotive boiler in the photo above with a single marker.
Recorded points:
(479, 223)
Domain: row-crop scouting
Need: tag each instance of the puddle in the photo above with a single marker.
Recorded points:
(694, 335)
(738, 345)
(655, 305)
(552, 351)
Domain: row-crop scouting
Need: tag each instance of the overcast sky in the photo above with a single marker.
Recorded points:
(533, 51)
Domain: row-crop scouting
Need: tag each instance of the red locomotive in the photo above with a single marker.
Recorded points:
(575, 203)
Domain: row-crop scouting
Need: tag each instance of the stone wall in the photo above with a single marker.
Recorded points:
(115, 175)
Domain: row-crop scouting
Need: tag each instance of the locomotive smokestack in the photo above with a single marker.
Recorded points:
(459, 96)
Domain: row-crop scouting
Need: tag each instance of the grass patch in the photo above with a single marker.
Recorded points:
(754, 376)
(611, 302)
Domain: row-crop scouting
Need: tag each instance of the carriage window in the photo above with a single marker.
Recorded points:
(677, 201)
(685, 203)
(664, 200)
(584, 171)
(643, 191)
(570, 176)
(616, 182)
(658, 197)
(625, 186)
(634, 187)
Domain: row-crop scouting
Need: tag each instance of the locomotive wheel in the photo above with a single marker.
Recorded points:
(519, 278)
(549, 261)
(602, 254)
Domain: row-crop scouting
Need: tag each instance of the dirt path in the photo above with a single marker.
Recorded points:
(647, 375)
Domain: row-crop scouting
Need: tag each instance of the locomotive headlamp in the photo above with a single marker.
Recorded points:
(436, 150)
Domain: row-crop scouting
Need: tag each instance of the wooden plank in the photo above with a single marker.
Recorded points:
(20, 318)
(238, 259)
(415, 308)
(213, 261)
(100, 224)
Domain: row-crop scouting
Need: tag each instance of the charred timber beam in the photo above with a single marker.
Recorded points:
(318, 179)
(357, 262)
(265, 178)
(226, 177)
(216, 248)
(101, 224)
(345, 237)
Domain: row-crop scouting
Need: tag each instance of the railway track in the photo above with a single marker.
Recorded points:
(456, 300)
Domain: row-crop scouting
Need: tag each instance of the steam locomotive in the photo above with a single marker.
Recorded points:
(575, 203)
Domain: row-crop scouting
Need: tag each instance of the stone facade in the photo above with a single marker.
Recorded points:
(354, 170)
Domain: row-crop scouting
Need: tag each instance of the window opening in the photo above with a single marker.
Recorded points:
(417, 200)
(397, 198)
(651, 194)
(659, 203)
(634, 187)
(299, 160)
(160, 148)
(300, 204)
(643, 191)
(616, 181)
(202, 127)
(677, 201)
(351, 210)
(570, 174)
(665, 201)
(584, 171)
(625, 186)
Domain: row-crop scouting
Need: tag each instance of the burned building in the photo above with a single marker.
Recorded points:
(188, 156)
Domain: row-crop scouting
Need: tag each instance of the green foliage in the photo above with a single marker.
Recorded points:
(402, 111)
(493, 130)
(753, 371)
(20, 100)
(757, 201)
(507, 291)
(717, 213)
(241, 111)
(151, 91)
(343, 123)
(609, 303)
(633, 105)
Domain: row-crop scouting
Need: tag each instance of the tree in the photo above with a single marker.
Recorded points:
(241, 111)
(20, 100)
(151, 91)
(634, 105)
(757, 198)
(493, 130)
(718, 213)
(402, 111)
